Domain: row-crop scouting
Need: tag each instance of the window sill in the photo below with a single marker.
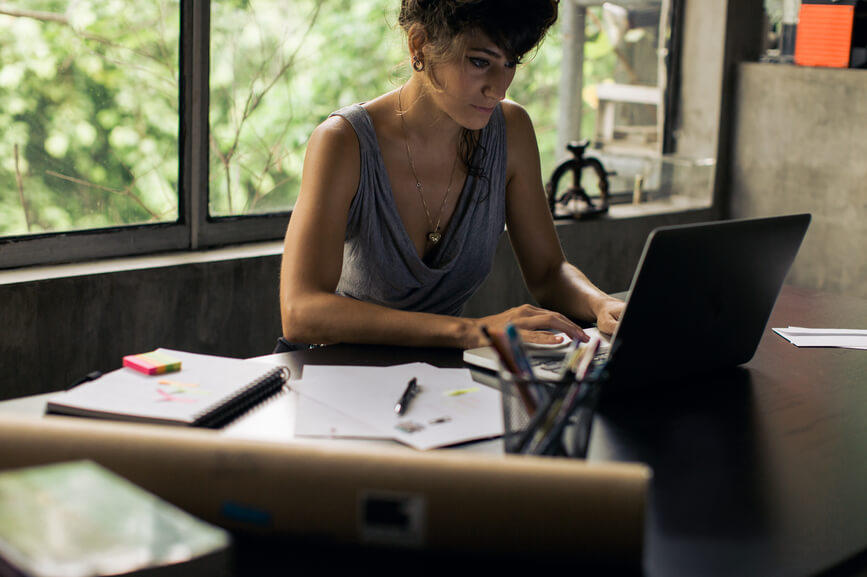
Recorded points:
(108, 266)
(663, 206)
(674, 204)
(668, 206)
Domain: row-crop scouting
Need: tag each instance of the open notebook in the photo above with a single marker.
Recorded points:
(208, 391)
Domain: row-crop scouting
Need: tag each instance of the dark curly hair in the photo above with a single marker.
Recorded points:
(516, 26)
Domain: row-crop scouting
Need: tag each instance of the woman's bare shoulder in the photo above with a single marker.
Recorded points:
(335, 133)
(516, 116)
(522, 151)
(333, 161)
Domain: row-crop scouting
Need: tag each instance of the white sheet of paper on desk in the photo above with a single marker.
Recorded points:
(450, 408)
(810, 337)
(316, 419)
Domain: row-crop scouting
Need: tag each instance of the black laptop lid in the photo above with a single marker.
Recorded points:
(701, 298)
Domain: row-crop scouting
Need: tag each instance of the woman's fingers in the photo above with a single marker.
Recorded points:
(537, 325)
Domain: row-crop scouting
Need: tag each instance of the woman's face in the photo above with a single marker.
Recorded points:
(471, 86)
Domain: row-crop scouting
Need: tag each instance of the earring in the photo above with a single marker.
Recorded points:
(417, 64)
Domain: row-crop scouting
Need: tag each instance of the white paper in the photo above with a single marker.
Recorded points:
(450, 408)
(316, 419)
(812, 337)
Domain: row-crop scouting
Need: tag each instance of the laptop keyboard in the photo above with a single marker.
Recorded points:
(548, 367)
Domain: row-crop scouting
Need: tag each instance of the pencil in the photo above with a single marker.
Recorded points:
(509, 363)
(504, 355)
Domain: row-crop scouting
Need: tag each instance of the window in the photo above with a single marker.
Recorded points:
(89, 116)
(619, 83)
(89, 100)
(781, 28)
(277, 70)
(140, 126)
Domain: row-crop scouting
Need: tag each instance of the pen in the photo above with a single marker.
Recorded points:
(509, 363)
(570, 359)
(502, 352)
(408, 393)
(550, 438)
(518, 351)
(580, 363)
(587, 357)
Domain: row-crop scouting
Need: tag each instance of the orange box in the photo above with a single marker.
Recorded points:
(824, 36)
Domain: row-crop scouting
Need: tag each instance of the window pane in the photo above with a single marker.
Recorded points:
(623, 70)
(279, 68)
(536, 87)
(782, 26)
(89, 114)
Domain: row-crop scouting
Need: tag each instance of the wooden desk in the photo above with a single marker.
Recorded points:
(761, 470)
(758, 471)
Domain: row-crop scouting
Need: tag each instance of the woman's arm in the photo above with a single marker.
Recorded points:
(311, 312)
(554, 282)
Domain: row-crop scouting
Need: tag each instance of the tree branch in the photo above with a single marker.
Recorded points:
(254, 99)
(20, 181)
(64, 19)
(125, 192)
(34, 14)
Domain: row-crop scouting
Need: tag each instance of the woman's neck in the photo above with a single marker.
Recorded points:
(424, 120)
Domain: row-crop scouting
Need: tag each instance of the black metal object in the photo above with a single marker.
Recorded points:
(587, 207)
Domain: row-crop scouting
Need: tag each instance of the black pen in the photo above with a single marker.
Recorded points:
(408, 393)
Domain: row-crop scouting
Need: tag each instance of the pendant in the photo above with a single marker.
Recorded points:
(434, 237)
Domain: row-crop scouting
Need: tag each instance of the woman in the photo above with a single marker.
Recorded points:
(403, 198)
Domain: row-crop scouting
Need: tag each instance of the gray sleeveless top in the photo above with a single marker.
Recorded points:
(380, 263)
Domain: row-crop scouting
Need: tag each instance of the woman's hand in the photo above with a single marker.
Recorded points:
(534, 324)
(608, 314)
(538, 326)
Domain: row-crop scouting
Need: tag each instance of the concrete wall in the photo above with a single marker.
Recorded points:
(56, 330)
(701, 76)
(59, 328)
(800, 145)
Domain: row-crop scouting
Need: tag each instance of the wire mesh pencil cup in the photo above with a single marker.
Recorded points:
(547, 417)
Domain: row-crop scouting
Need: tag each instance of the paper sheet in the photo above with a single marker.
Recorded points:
(316, 419)
(810, 337)
(358, 401)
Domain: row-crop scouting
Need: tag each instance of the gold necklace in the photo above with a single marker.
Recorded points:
(434, 236)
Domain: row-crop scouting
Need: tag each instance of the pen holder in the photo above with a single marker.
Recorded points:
(545, 417)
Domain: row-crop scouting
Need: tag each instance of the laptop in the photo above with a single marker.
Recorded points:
(699, 301)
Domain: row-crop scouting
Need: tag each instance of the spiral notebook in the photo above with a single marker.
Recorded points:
(209, 391)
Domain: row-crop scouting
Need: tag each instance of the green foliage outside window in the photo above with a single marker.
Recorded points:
(89, 102)
(88, 114)
(277, 70)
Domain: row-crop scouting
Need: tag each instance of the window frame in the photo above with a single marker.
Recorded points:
(573, 54)
(207, 231)
(194, 228)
